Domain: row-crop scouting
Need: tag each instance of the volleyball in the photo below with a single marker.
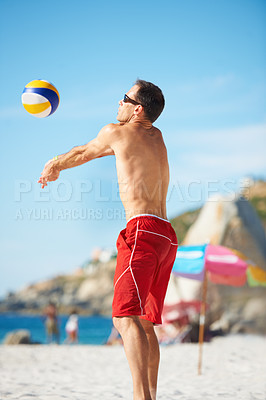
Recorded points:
(40, 98)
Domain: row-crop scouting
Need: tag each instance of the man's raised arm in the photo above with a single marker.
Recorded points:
(96, 148)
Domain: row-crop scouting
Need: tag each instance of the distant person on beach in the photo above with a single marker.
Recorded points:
(72, 328)
(51, 323)
(147, 246)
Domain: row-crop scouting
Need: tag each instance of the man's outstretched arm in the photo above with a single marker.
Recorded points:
(96, 148)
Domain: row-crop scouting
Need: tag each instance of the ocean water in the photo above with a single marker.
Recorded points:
(92, 330)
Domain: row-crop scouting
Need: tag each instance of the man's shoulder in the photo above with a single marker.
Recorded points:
(114, 131)
(111, 129)
(110, 133)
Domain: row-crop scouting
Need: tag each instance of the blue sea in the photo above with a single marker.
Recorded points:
(92, 330)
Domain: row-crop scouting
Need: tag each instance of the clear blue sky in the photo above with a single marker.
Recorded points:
(209, 58)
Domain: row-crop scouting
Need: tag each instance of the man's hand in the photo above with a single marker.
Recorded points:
(50, 173)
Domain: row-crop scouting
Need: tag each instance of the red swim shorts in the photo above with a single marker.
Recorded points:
(146, 253)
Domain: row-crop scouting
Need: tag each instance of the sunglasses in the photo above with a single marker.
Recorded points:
(129, 100)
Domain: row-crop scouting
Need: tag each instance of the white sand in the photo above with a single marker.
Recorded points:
(234, 368)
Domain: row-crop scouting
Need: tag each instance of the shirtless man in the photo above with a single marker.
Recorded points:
(147, 246)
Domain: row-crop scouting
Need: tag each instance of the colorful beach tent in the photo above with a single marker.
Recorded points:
(220, 265)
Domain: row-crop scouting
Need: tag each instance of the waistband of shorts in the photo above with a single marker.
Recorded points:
(148, 215)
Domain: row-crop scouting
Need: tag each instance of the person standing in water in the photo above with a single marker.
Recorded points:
(51, 323)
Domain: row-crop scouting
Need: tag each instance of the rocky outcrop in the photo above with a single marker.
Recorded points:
(88, 293)
(18, 337)
(212, 222)
(232, 223)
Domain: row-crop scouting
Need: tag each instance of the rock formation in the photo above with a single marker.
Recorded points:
(88, 293)
(18, 337)
(233, 223)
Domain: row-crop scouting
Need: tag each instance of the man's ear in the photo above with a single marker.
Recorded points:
(138, 109)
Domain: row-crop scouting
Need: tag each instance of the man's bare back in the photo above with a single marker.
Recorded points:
(142, 169)
(141, 161)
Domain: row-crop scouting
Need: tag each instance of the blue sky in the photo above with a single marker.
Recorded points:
(208, 57)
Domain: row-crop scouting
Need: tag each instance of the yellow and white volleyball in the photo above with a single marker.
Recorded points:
(40, 98)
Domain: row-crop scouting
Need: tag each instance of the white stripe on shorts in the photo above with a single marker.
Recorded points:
(158, 234)
(148, 215)
(130, 267)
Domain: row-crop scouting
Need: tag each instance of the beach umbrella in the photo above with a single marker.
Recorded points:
(220, 265)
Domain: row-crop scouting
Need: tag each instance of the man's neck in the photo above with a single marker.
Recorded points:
(144, 123)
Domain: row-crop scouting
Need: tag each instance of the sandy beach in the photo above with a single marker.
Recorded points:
(234, 367)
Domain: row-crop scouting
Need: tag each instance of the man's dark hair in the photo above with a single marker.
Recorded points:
(151, 98)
